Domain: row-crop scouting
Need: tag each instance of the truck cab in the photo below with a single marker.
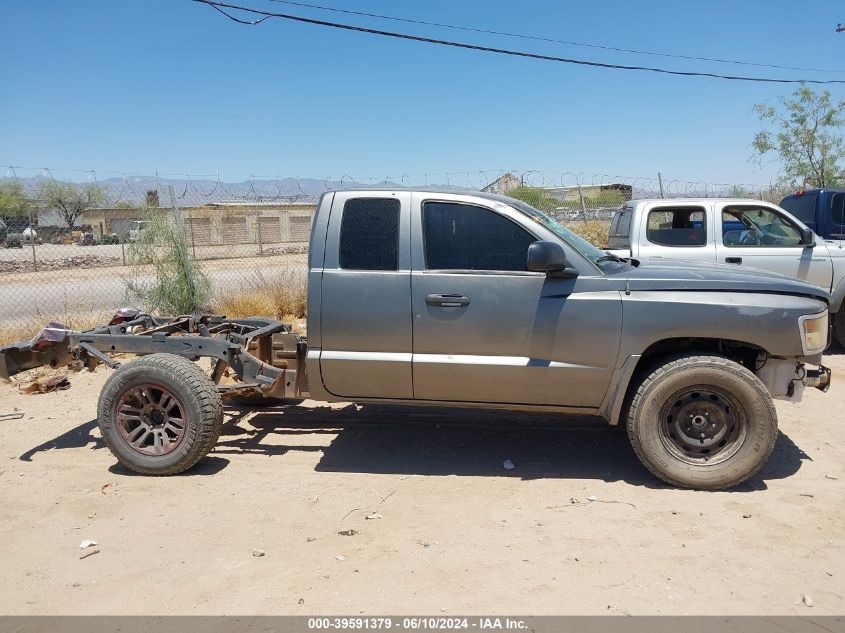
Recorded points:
(823, 210)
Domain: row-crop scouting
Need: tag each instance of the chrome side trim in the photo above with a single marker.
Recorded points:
(389, 357)
(507, 361)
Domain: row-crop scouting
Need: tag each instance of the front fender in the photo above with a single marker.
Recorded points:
(766, 320)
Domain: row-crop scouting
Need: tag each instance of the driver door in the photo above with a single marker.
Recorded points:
(485, 329)
(758, 236)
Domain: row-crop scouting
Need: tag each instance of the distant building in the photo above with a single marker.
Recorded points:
(506, 183)
(503, 184)
(219, 223)
(594, 192)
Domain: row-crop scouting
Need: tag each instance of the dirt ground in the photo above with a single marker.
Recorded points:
(452, 531)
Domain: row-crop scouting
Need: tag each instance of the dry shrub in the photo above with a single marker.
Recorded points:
(594, 231)
(283, 296)
(24, 329)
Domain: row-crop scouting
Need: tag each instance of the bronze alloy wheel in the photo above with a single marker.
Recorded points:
(151, 419)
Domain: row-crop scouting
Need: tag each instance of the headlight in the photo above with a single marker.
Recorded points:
(813, 332)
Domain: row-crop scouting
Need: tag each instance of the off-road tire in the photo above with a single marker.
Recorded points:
(839, 327)
(197, 396)
(649, 432)
(263, 402)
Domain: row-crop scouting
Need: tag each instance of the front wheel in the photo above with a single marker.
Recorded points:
(159, 414)
(702, 422)
(839, 326)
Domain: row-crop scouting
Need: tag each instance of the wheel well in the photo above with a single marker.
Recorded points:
(746, 354)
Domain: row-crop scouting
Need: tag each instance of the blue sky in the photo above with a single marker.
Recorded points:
(172, 86)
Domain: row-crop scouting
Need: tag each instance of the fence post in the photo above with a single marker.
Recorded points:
(260, 240)
(32, 242)
(583, 206)
(186, 261)
(122, 247)
(660, 182)
(193, 242)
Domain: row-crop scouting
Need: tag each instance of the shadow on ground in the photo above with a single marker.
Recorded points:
(434, 441)
(464, 442)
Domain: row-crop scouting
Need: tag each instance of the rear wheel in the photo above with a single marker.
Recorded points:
(702, 422)
(160, 414)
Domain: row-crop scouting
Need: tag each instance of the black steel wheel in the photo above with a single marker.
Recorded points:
(702, 425)
(698, 421)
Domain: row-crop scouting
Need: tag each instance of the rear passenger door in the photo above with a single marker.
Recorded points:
(677, 231)
(365, 318)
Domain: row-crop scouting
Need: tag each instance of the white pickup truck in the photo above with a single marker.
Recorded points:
(738, 232)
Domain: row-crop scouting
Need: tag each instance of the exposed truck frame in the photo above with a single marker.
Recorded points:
(267, 357)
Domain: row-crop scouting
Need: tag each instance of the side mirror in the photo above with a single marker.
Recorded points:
(549, 258)
(808, 238)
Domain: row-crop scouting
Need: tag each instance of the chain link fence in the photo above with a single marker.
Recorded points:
(70, 241)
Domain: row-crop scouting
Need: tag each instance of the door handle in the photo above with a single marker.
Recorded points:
(447, 301)
(733, 260)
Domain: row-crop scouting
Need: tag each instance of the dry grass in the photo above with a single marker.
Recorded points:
(24, 329)
(283, 297)
(595, 231)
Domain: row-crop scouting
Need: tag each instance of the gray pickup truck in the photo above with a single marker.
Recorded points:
(475, 300)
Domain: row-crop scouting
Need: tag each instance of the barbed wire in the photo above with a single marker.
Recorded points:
(131, 187)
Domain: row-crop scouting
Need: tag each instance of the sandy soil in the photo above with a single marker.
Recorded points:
(457, 533)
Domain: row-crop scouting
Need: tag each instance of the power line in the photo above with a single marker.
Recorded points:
(550, 39)
(220, 6)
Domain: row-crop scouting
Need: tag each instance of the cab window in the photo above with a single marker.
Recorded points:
(757, 226)
(837, 209)
(369, 234)
(466, 237)
(677, 226)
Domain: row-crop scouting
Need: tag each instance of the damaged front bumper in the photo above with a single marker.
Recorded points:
(787, 379)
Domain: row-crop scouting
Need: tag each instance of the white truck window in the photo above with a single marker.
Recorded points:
(677, 226)
(757, 226)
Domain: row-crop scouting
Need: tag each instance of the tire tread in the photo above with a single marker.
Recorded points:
(190, 375)
(676, 363)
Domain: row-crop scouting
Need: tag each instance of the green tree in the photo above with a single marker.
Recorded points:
(70, 199)
(13, 200)
(178, 285)
(805, 131)
(535, 196)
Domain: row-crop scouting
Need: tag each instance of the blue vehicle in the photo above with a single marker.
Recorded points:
(823, 210)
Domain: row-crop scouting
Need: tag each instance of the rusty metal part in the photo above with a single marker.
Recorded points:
(263, 353)
(151, 419)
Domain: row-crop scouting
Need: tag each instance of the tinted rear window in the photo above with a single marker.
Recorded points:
(802, 207)
(621, 223)
(369, 234)
(837, 208)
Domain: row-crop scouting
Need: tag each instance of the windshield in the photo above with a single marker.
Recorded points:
(588, 250)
